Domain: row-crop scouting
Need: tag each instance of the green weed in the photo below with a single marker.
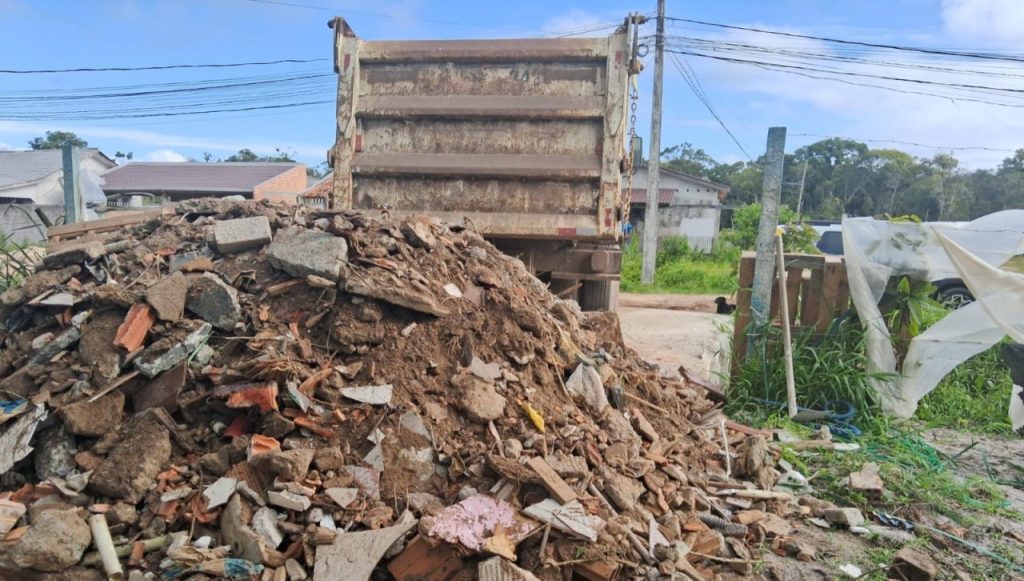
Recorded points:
(681, 269)
(974, 397)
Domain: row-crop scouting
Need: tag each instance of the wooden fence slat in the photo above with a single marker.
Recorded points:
(813, 290)
(794, 276)
(743, 296)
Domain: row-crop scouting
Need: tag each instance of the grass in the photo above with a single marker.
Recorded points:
(15, 262)
(681, 269)
(832, 368)
(973, 398)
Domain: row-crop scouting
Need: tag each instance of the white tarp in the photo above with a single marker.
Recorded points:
(972, 251)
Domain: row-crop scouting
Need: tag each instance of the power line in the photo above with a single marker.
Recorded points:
(783, 68)
(910, 143)
(917, 49)
(690, 77)
(175, 114)
(159, 67)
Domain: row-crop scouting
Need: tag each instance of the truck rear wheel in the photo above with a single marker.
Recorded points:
(599, 295)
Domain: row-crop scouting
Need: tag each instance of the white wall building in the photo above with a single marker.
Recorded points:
(689, 206)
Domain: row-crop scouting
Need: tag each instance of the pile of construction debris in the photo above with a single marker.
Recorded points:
(246, 390)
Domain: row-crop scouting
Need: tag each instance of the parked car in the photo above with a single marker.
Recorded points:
(951, 292)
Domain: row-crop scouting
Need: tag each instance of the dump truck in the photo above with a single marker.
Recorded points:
(523, 140)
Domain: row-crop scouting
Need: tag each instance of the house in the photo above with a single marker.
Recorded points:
(689, 206)
(171, 181)
(36, 176)
(319, 193)
(32, 185)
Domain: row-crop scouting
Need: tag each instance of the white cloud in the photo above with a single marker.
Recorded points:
(986, 21)
(5, 147)
(165, 155)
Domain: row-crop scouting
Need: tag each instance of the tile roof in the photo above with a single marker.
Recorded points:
(226, 177)
(23, 167)
(321, 189)
(638, 196)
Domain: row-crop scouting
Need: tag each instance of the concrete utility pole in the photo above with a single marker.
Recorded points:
(654, 158)
(800, 198)
(74, 210)
(764, 263)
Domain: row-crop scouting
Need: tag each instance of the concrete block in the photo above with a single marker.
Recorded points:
(301, 252)
(241, 234)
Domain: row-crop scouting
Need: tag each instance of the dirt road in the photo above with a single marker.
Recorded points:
(665, 332)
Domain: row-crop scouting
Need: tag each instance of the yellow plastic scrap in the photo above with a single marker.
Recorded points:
(534, 415)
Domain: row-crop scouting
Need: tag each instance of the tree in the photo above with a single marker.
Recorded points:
(57, 140)
(249, 155)
(684, 158)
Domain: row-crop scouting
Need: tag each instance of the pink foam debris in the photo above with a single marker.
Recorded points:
(473, 520)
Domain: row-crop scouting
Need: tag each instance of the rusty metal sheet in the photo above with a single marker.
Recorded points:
(536, 49)
(570, 137)
(492, 106)
(478, 195)
(539, 167)
(575, 79)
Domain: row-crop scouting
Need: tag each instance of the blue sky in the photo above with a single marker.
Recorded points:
(56, 34)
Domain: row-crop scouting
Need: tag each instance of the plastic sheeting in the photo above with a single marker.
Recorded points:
(973, 251)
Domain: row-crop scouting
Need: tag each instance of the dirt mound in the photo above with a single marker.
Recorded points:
(245, 389)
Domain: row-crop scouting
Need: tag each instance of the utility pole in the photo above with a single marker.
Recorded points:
(800, 198)
(764, 263)
(654, 158)
(74, 211)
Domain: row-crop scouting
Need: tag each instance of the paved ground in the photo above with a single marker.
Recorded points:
(671, 336)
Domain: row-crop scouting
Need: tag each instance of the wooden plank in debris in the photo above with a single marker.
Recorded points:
(558, 488)
(743, 296)
(812, 295)
(103, 225)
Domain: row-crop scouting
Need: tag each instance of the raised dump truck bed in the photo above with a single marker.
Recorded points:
(520, 139)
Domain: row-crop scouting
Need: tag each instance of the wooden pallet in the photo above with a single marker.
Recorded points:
(817, 291)
(68, 232)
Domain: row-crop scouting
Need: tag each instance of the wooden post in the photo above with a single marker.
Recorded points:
(786, 337)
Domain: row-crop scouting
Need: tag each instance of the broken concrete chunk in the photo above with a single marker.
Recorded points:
(867, 480)
(622, 491)
(913, 565)
(342, 496)
(264, 522)
(17, 437)
(289, 465)
(220, 492)
(568, 466)
(58, 344)
(371, 394)
(301, 252)
(55, 541)
(355, 555)
(167, 297)
(59, 459)
(131, 467)
(295, 571)
(453, 290)
(163, 391)
(418, 234)
(158, 357)
(85, 252)
(241, 234)
(414, 299)
(235, 531)
(288, 500)
(10, 512)
(478, 398)
(585, 383)
(214, 301)
(93, 419)
(94, 346)
(847, 517)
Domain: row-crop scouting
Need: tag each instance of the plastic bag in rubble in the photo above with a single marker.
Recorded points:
(585, 382)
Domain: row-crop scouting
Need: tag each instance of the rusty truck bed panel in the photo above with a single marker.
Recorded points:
(556, 79)
(489, 195)
(523, 137)
(533, 49)
(567, 137)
